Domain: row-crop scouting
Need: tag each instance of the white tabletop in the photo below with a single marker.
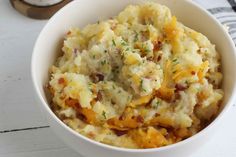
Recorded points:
(24, 132)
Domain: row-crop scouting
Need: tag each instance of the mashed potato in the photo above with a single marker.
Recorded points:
(139, 80)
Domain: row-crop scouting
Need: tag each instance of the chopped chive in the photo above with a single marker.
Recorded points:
(174, 60)
(147, 50)
(103, 62)
(136, 36)
(141, 85)
(113, 42)
(156, 104)
(104, 114)
(123, 43)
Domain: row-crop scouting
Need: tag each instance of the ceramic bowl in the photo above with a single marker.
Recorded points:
(82, 12)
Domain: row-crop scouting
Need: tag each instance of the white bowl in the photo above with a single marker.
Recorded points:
(82, 12)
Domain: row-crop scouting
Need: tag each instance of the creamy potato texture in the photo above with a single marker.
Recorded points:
(138, 80)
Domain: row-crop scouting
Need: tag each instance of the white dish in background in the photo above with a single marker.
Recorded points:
(43, 2)
(82, 12)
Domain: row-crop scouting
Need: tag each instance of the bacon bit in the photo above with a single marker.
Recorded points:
(97, 77)
(120, 132)
(61, 80)
(180, 87)
(193, 72)
(140, 119)
(68, 33)
(199, 50)
(122, 117)
(72, 103)
(157, 45)
(159, 58)
(112, 102)
(100, 77)
(81, 117)
(177, 96)
(75, 51)
(150, 58)
(99, 96)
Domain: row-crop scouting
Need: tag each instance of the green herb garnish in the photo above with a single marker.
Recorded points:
(141, 85)
(174, 60)
(136, 36)
(113, 42)
(147, 50)
(156, 104)
(104, 114)
(123, 43)
(127, 49)
(103, 62)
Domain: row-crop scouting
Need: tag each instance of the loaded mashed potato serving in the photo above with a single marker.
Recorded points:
(139, 80)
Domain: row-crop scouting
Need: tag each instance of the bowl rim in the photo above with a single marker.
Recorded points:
(129, 150)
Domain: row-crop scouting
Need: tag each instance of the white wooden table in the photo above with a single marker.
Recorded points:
(24, 132)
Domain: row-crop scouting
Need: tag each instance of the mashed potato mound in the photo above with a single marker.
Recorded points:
(139, 80)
